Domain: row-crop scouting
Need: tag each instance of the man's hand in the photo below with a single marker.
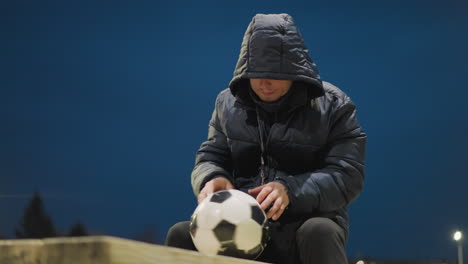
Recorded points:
(273, 193)
(216, 184)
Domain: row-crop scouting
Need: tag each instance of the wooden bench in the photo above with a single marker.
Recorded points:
(100, 250)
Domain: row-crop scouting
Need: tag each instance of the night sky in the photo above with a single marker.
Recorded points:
(103, 105)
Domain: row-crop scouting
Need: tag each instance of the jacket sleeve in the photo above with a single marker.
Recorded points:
(213, 157)
(340, 180)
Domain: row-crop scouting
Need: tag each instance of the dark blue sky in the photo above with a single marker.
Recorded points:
(104, 103)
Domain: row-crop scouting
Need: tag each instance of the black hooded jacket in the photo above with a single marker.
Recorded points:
(312, 142)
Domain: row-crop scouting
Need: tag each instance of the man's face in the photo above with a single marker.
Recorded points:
(270, 90)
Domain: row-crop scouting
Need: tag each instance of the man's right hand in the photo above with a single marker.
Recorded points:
(216, 184)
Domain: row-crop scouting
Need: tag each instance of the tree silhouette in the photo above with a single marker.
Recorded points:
(35, 223)
(77, 230)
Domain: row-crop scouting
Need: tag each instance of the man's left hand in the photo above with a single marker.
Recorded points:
(272, 193)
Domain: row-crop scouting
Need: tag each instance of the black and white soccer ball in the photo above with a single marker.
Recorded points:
(229, 223)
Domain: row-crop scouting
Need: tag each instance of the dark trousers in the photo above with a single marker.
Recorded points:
(318, 240)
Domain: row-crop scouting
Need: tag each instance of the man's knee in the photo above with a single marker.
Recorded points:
(320, 240)
(179, 236)
(320, 230)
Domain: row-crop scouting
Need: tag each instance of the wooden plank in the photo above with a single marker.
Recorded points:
(101, 250)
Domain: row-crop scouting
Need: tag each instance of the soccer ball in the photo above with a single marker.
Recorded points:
(229, 223)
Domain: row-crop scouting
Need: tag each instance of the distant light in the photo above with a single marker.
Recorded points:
(360, 262)
(457, 235)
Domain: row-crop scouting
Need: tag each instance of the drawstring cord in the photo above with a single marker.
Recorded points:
(261, 132)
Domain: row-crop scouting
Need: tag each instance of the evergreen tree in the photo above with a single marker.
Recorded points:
(35, 223)
(77, 230)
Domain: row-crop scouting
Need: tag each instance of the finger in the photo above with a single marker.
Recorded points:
(255, 191)
(229, 186)
(277, 209)
(269, 199)
(207, 190)
(216, 187)
(263, 194)
(276, 204)
(201, 197)
(278, 214)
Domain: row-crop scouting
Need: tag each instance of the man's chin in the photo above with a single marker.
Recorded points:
(269, 99)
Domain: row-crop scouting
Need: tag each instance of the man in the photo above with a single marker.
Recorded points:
(287, 138)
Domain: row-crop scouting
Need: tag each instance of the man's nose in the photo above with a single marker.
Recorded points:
(264, 83)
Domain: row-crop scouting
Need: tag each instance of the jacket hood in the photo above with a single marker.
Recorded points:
(273, 48)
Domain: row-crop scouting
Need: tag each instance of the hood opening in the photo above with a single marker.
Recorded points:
(273, 48)
(240, 89)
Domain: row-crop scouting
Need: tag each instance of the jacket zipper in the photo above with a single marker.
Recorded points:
(263, 145)
(262, 170)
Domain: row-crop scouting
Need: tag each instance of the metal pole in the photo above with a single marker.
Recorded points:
(460, 253)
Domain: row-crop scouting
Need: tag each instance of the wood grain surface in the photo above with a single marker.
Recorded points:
(100, 250)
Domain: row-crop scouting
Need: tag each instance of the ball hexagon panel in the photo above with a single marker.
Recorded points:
(206, 241)
(247, 198)
(256, 251)
(248, 235)
(235, 210)
(208, 215)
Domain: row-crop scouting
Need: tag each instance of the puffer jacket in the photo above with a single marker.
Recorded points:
(314, 146)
